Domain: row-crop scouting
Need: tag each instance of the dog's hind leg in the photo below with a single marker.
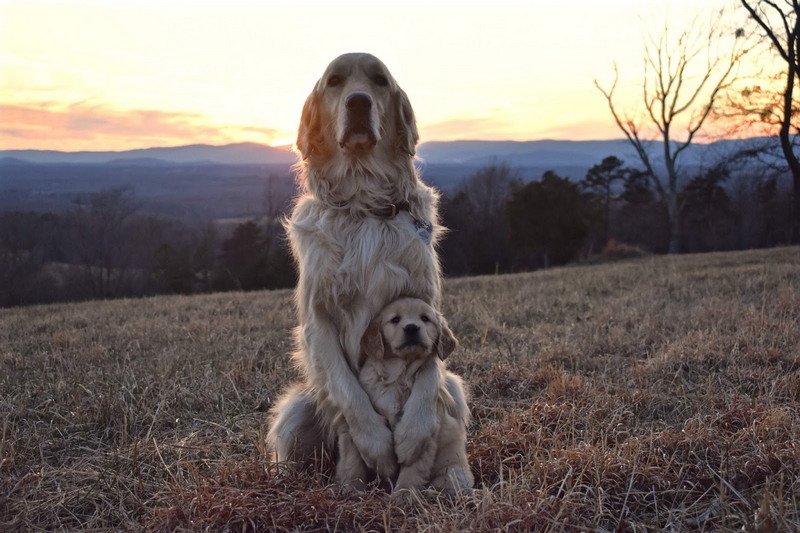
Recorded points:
(351, 472)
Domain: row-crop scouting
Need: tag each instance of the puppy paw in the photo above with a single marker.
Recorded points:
(412, 436)
(376, 448)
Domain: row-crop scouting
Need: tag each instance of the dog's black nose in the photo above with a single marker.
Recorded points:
(358, 102)
(411, 329)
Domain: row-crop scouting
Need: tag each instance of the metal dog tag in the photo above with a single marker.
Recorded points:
(424, 229)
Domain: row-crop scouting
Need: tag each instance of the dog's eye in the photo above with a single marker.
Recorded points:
(395, 320)
(380, 80)
(334, 81)
(425, 318)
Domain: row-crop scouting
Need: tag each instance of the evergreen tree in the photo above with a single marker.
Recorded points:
(547, 220)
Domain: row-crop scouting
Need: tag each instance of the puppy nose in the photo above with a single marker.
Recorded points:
(411, 329)
(358, 102)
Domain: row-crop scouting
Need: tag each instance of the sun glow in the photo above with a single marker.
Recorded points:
(116, 75)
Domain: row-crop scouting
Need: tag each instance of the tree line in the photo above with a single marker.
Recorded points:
(613, 212)
(105, 246)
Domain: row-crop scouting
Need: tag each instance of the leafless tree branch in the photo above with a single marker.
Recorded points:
(670, 92)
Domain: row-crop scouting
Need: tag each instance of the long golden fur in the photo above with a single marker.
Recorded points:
(406, 338)
(357, 138)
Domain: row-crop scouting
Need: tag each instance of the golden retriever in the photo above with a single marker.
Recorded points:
(405, 338)
(363, 233)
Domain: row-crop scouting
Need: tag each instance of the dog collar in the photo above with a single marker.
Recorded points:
(391, 210)
(423, 228)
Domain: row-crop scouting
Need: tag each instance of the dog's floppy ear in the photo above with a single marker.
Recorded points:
(446, 343)
(407, 135)
(372, 341)
(309, 134)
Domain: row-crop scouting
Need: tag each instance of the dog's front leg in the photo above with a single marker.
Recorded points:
(417, 427)
(328, 366)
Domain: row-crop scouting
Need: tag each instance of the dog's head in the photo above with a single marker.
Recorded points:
(355, 108)
(408, 328)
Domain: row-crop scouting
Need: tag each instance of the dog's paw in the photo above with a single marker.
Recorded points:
(377, 450)
(405, 498)
(455, 479)
(412, 436)
(351, 486)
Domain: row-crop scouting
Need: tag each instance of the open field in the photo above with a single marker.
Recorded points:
(661, 394)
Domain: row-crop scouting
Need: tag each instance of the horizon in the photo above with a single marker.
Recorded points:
(85, 76)
(291, 148)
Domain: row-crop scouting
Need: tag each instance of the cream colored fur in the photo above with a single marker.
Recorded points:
(408, 339)
(352, 263)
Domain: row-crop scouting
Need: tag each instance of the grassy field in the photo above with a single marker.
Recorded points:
(661, 394)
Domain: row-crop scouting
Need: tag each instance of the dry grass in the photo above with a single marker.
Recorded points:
(658, 394)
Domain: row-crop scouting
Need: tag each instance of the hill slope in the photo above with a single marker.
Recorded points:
(660, 394)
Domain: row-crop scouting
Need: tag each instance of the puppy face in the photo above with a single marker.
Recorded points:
(408, 328)
(355, 106)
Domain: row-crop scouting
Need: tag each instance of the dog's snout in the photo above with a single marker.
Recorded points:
(359, 102)
(359, 124)
(411, 329)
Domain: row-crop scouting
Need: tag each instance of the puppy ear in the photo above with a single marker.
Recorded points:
(309, 134)
(447, 342)
(406, 124)
(372, 341)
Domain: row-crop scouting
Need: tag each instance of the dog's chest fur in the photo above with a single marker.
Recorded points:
(382, 256)
(363, 261)
(388, 384)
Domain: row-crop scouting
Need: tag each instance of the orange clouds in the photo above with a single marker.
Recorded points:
(86, 126)
(501, 129)
(490, 128)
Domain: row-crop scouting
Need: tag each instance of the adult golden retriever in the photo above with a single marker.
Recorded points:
(406, 339)
(363, 233)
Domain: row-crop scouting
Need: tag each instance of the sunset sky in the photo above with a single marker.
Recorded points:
(116, 75)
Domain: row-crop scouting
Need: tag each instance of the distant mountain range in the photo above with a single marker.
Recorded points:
(521, 153)
(230, 154)
(229, 181)
(544, 153)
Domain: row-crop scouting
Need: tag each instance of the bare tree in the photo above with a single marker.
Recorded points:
(102, 241)
(683, 79)
(477, 242)
(278, 192)
(780, 22)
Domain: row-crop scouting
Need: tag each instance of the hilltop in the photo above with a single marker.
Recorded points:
(658, 394)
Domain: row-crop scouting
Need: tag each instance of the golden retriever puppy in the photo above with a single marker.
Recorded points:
(363, 232)
(407, 336)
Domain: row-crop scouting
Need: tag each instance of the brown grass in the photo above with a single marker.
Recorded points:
(657, 394)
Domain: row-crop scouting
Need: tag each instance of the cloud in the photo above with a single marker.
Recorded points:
(499, 128)
(583, 130)
(469, 128)
(87, 126)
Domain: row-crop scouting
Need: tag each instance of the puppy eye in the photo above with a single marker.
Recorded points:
(395, 320)
(380, 80)
(334, 81)
(425, 318)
